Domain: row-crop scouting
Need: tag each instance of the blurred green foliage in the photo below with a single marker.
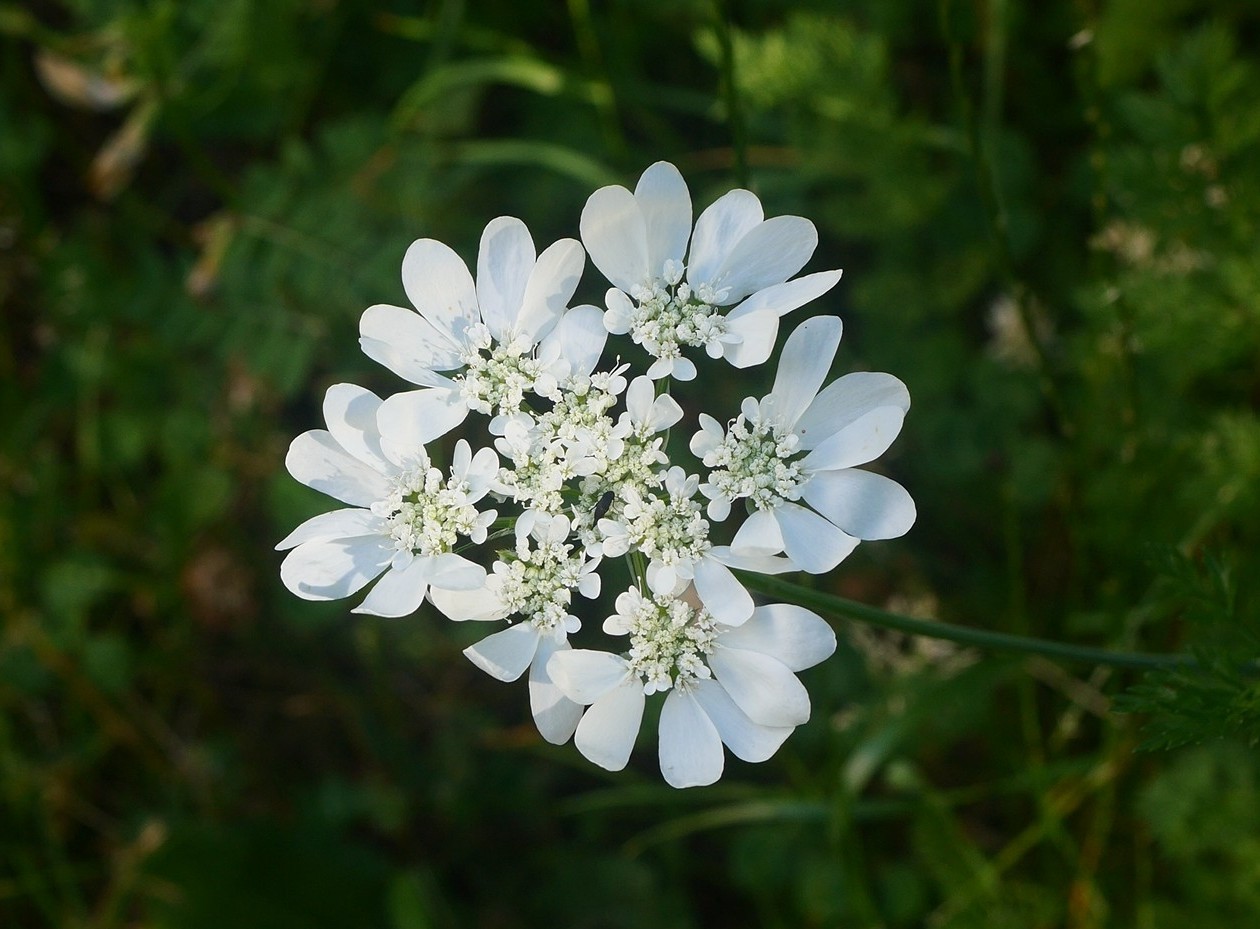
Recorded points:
(1048, 215)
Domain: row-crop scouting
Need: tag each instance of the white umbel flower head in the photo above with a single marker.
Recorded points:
(797, 444)
(492, 333)
(733, 686)
(737, 259)
(405, 516)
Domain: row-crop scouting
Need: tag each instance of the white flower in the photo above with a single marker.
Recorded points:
(536, 584)
(404, 518)
(732, 686)
(799, 444)
(494, 331)
(737, 258)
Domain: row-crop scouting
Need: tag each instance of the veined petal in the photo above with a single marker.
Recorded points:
(586, 675)
(847, 399)
(746, 739)
(410, 420)
(555, 715)
(690, 746)
(721, 592)
(862, 440)
(578, 340)
(348, 523)
(761, 686)
(350, 412)
(455, 572)
(665, 202)
(865, 505)
(316, 460)
(794, 635)
(504, 262)
(759, 535)
(803, 365)
(609, 727)
(408, 344)
(615, 235)
(332, 569)
(481, 604)
(551, 284)
(757, 333)
(813, 543)
(400, 592)
(439, 286)
(768, 254)
(505, 655)
(780, 299)
(718, 230)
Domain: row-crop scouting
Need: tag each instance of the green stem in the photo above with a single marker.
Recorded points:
(730, 89)
(963, 635)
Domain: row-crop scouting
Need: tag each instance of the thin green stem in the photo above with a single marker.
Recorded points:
(963, 635)
(730, 90)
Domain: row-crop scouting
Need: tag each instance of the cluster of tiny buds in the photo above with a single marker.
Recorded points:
(427, 514)
(753, 461)
(669, 639)
(498, 375)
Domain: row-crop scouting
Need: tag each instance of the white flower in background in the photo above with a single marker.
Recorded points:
(733, 686)
(737, 258)
(535, 582)
(797, 444)
(405, 517)
(490, 330)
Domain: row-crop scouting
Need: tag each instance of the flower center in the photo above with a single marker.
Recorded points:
(539, 584)
(668, 642)
(667, 316)
(497, 376)
(754, 461)
(669, 530)
(426, 513)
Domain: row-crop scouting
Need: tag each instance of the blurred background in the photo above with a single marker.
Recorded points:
(1047, 214)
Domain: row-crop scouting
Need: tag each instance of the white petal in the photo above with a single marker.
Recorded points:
(862, 440)
(847, 399)
(455, 572)
(759, 535)
(578, 340)
(813, 543)
(762, 564)
(761, 686)
(666, 205)
(480, 604)
(803, 366)
(338, 524)
(505, 655)
(585, 675)
(690, 747)
(721, 592)
(757, 334)
(794, 635)
(665, 412)
(615, 236)
(439, 286)
(316, 460)
(783, 298)
(746, 739)
(410, 420)
(407, 344)
(350, 412)
(330, 570)
(769, 254)
(555, 715)
(608, 729)
(400, 592)
(504, 262)
(551, 285)
(719, 228)
(865, 505)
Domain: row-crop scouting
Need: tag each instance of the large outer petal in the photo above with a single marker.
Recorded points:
(761, 686)
(505, 655)
(609, 727)
(577, 341)
(400, 592)
(862, 440)
(408, 344)
(555, 715)
(316, 460)
(757, 333)
(815, 544)
(794, 635)
(721, 592)
(350, 412)
(481, 604)
(768, 254)
(504, 262)
(746, 739)
(439, 286)
(803, 366)
(760, 534)
(690, 746)
(412, 419)
(783, 298)
(551, 285)
(865, 505)
(348, 523)
(666, 206)
(615, 236)
(845, 400)
(718, 230)
(332, 569)
(585, 675)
